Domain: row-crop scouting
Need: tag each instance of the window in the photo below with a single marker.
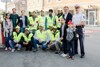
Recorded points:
(58, 0)
(49, 1)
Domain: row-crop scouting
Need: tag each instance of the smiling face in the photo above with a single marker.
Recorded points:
(40, 28)
(70, 26)
(17, 30)
(7, 16)
(63, 21)
(66, 9)
(33, 13)
(14, 10)
(23, 12)
(26, 31)
(42, 13)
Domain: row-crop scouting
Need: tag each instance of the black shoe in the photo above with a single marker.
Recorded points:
(57, 52)
(35, 50)
(26, 49)
(76, 53)
(30, 49)
(82, 56)
(44, 49)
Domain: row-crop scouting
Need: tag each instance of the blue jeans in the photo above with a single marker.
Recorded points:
(13, 44)
(70, 46)
(42, 43)
(7, 41)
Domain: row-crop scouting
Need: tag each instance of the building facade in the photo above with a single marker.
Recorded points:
(90, 8)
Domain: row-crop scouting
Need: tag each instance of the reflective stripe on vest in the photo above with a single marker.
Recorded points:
(50, 21)
(33, 22)
(41, 35)
(17, 37)
(58, 21)
(56, 36)
(27, 39)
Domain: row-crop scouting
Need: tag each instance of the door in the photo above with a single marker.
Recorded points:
(92, 18)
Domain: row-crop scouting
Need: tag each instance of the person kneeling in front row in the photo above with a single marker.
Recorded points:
(40, 39)
(27, 40)
(15, 41)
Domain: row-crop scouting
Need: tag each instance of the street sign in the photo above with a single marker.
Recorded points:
(5, 0)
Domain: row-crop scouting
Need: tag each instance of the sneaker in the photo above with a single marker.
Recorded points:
(9, 48)
(72, 58)
(64, 55)
(35, 50)
(18, 49)
(12, 50)
(57, 52)
(6, 48)
(82, 56)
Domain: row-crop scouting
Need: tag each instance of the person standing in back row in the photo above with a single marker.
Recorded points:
(79, 22)
(23, 21)
(14, 17)
(68, 17)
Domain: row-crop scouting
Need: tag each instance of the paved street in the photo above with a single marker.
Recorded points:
(49, 59)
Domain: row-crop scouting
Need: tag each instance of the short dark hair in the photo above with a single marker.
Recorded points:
(13, 8)
(50, 10)
(7, 14)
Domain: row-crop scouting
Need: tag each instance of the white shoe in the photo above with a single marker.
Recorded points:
(9, 48)
(18, 49)
(64, 55)
(6, 48)
(12, 50)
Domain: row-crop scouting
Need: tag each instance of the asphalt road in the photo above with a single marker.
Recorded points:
(50, 59)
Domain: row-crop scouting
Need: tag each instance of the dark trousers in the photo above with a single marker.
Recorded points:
(65, 46)
(79, 31)
(70, 48)
(28, 46)
(76, 46)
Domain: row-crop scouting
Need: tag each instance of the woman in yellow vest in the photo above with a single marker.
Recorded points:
(16, 39)
(40, 38)
(27, 40)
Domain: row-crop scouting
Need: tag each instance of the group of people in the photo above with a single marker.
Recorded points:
(50, 32)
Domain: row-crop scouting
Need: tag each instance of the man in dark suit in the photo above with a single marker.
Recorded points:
(23, 21)
(67, 16)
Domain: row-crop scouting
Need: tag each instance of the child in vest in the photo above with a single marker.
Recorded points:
(70, 31)
(27, 40)
(15, 41)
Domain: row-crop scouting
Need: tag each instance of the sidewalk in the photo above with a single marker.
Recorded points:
(92, 28)
(88, 30)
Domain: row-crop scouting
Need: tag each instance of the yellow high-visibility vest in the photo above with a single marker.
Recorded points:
(17, 37)
(58, 21)
(27, 39)
(33, 22)
(41, 35)
(50, 21)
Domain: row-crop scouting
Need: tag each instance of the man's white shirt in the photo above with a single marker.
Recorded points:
(78, 18)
